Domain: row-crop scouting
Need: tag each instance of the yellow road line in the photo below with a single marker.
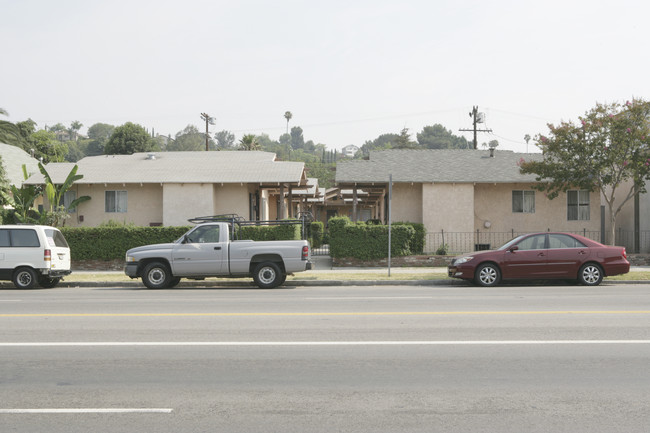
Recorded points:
(359, 313)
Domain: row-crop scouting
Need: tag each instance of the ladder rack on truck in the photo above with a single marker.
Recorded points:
(232, 219)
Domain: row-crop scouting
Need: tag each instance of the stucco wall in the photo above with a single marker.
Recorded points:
(143, 205)
(406, 203)
(181, 202)
(493, 204)
(448, 207)
(231, 198)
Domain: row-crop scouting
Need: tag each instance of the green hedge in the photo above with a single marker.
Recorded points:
(316, 233)
(417, 242)
(368, 241)
(110, 243)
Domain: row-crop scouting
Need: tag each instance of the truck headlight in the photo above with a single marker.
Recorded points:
(130, 259)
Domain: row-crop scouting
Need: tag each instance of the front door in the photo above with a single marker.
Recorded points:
(200, 254)
(565, 256)
(528, 260)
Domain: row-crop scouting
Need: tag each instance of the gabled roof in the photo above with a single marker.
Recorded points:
(436, 166)
(13, 159)
(180, 167)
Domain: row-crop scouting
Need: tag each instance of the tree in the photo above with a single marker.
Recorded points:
(75, 126)
(189, 139)
(297, 140)
(129, 139)
(384, 141)
(22, 199)
(438, 137)
(225, 140)
(9, 133)
(46, 147)
(249, 142)
(288, 116)
(608, 148)
(403, 140)
(99, 133)
(55, 193)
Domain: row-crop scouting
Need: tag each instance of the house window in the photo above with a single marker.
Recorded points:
(523, 201)
(578, 205)
(69, 197)
(115, 201)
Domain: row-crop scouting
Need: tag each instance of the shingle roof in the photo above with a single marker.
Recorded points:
(179, 167)
(441, 166)
(13, 159)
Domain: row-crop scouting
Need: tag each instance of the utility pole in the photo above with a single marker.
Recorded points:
(474, 114)
(208, 121)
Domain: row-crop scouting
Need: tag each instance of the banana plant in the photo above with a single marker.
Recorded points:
(55, 193)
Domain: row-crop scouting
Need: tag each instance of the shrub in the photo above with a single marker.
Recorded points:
(367, 242)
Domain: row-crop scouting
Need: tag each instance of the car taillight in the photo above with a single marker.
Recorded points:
(624, 254)
(305, 252)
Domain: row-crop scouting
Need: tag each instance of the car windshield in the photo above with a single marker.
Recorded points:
(510, 243)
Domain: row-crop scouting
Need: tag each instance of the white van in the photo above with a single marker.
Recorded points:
(33, 254)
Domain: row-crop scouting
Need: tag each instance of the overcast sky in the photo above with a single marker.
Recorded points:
(347, 70)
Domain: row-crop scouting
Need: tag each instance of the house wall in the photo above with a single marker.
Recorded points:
(406, 203)
(493, 204)
(232, 198)
(181, 202)
(625, 220)
(447, 208)
(143, 205)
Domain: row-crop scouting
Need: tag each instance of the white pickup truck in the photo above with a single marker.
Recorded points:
(207, 251)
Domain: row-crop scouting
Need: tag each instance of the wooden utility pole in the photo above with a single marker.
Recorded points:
(208, 121)
(474, 114)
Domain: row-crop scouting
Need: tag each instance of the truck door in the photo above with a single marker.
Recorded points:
(201, 253)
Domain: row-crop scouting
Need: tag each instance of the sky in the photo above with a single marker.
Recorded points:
(348, 71)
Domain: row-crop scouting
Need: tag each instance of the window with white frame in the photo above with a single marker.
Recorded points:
(578, 205)
(115, 201)
(523, 201)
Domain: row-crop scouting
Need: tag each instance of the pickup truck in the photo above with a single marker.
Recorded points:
(207, 251)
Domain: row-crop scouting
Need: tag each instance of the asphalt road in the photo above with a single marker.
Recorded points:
(323, 359)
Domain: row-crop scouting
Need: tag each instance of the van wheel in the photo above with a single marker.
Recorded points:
(156, 275)
(47, 282)
(267, 275)
(24, 278)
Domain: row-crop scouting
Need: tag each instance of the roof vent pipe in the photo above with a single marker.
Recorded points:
(151, 156)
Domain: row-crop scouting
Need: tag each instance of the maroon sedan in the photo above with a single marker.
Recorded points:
(542, 256)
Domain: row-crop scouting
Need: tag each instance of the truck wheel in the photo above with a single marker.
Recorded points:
(174, 282)
(156, 275)
(24, 278)
(267, 275)
(47, 282)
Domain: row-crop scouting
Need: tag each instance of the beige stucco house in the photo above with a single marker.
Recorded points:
(466, 199)
(168, 188)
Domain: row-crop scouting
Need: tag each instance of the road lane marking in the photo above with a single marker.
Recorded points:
(349, 313)
(315, 343)
(85, 410)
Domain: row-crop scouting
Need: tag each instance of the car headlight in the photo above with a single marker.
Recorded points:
(461, 260)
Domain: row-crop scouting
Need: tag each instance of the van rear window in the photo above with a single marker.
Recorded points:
(55, 238)
(24, 238)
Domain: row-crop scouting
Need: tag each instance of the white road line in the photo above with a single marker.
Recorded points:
(345, 298)
(315, 343)
(86, 410)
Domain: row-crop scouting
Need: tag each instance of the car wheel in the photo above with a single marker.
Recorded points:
(487, 275)
(156, 275)
(174, 282)
(47, 282)
(24, 278)
(590, 274)
(267, 275)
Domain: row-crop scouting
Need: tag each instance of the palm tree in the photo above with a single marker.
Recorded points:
(288, 116)
(249, 142)
(75, 126)
(9, 133)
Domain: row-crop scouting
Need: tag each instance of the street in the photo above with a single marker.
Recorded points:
(455, 358)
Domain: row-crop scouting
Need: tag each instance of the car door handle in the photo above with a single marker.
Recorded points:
(541, 255)
(217, 248)
(583, 252)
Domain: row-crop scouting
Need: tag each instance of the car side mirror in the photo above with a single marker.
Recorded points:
(513, 248)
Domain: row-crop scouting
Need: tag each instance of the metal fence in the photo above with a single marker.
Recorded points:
(464, 242)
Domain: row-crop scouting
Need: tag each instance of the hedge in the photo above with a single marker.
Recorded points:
(110, 243)
(369, 241)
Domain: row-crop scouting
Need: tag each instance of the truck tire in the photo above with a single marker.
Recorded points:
(24, 278)
(267, 275)
(156, 275)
